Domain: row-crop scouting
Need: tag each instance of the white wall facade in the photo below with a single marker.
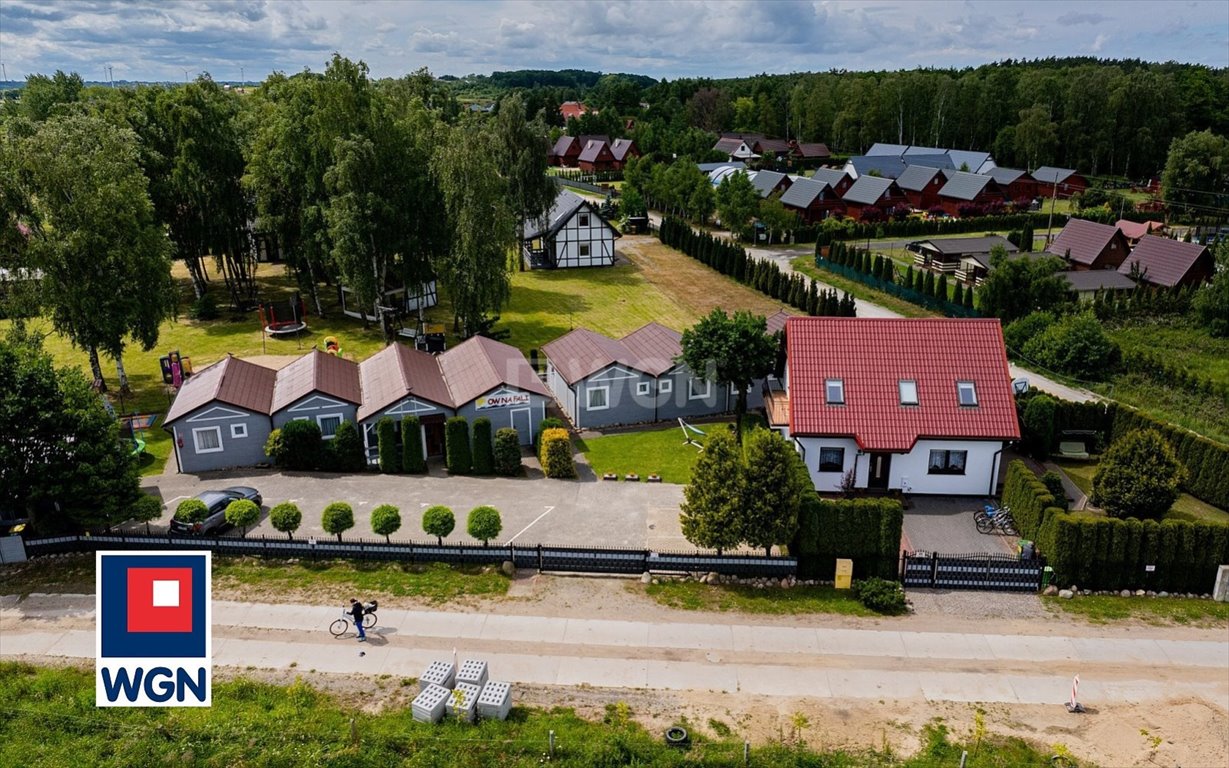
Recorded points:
(584, 241)
(982, 460)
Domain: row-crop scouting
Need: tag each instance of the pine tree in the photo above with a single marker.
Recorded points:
(813, 300)
(711, 512)
(928, 286)
(958, 294)
(941, 288)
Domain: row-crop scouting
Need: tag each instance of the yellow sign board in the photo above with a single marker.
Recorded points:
(844, 573)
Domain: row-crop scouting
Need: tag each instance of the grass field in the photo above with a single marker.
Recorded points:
(49, 719)
(694, 596)
(1182, 341)
(1187, 507)
(662, 451)
(806, 265)
(1103, 609)
(653, 282)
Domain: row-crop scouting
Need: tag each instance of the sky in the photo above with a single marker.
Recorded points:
(171, 40)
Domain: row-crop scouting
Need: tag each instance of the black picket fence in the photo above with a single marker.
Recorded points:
(998, 573)
(541, 557)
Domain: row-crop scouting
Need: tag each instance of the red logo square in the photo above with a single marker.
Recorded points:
(159, 599)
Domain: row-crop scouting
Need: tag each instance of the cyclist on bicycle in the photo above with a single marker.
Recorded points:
(357, 611)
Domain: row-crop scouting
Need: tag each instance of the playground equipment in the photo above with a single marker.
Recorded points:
(282, 318)
(688, 430)
(332, 346)
(175, 368)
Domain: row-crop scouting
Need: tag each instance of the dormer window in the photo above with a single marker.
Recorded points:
(908, 392)
(966, 394)
(834, 392)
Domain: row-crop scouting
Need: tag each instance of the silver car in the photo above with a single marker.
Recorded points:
(216, 502)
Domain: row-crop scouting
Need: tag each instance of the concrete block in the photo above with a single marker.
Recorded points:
(1220, 592)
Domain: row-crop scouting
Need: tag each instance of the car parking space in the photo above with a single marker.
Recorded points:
(533, 510)
(944, 524)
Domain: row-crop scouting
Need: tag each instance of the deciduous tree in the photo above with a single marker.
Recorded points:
(731, 351)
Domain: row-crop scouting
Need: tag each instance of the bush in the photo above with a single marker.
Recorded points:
(191, 511)
(484, 459)
(484, 523)
(385, 520)
(204, 308)
(1038, 426)
(286, 518)
(145, 509)
(1075, 345)
(242, 513)
(1139, 476)
(298, 447)
(507, 452)
(1054, 484)
(337, 518)
(390, 451)
(1030, 500)
(881, 595)
(556, 454)
(456, 446)
(866, 530)
(412, 459)
(1021, 332)
(345, 452)
(547, 423)
(438, 521)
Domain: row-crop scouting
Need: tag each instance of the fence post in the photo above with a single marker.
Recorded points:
(550, 741)
(746, 753)
(540, 561)
(934, 568)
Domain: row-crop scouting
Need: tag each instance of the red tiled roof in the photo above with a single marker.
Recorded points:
(1085, 239)
(317, 372)
(1163, 261)
(1134, 230)
(230, 380)
(872, 355)
(570, 109)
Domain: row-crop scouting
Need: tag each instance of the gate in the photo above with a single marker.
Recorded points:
(998, 573)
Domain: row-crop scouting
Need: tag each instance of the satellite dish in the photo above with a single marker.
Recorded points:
(1020, 386)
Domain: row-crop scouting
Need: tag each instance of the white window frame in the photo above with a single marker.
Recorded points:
(238, 431)
(691, 389)
(665, 386)
(196, 442)
(320, 423)
(900, 387)
(840, 385)
(584, 249)
(589, 406)
(971, 387)
(644, 388)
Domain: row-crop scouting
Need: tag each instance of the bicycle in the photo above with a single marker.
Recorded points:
(992, 518)
(341, 626)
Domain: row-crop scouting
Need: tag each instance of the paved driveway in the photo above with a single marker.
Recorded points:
(945, 524)
(534, 510)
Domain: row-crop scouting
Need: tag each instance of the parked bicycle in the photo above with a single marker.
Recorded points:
(341, 626)
(993, 518)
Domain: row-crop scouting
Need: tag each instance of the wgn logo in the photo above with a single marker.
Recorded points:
(154, 635)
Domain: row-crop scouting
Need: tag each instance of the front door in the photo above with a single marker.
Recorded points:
(433, 432)
(881, 464)
(522, 422)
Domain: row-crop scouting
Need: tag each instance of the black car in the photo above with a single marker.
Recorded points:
(216, 502)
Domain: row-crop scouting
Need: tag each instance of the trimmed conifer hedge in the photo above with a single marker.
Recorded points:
(457, 455)
(484, 459)
(556, 456)
(412, 459)
(866, 530)
(390, 450)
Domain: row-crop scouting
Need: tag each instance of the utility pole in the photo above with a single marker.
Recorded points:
(1050, 221)
(4, 73)
(185, 75)
(242, 80)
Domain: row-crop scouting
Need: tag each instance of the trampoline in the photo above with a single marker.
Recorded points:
(283, 318)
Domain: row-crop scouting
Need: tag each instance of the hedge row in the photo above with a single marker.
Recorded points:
(921, 298)
(761, 274)
(882, 270)
(1206, 462)
(1030, 501)
(556, 454)
(1164, 371)
(922, 227)
(1108, 553)
(866, 530)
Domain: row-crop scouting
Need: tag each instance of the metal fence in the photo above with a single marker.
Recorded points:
(897, 290)
(999, 573)
(540, 557)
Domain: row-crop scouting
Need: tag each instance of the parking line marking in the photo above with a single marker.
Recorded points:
(536, 519)
(172, 501)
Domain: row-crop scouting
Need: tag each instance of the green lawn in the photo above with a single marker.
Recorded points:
(1182, 341)
(1187, 507)
(50, 720)
(660, 451)
(806, 265)
(738, 598)
(1103, 609)
(434, 582)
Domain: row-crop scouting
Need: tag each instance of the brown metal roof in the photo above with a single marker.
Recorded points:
(478, 365)
(398, 371)
(1084, 239)
(582, 352)
(777, 322)
(1163, 261)
(655, 348)
(317, 372)
(230, 380)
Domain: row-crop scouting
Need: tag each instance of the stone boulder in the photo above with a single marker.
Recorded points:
(1066, 594)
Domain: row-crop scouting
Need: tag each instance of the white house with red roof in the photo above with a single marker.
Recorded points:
(921, 405)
